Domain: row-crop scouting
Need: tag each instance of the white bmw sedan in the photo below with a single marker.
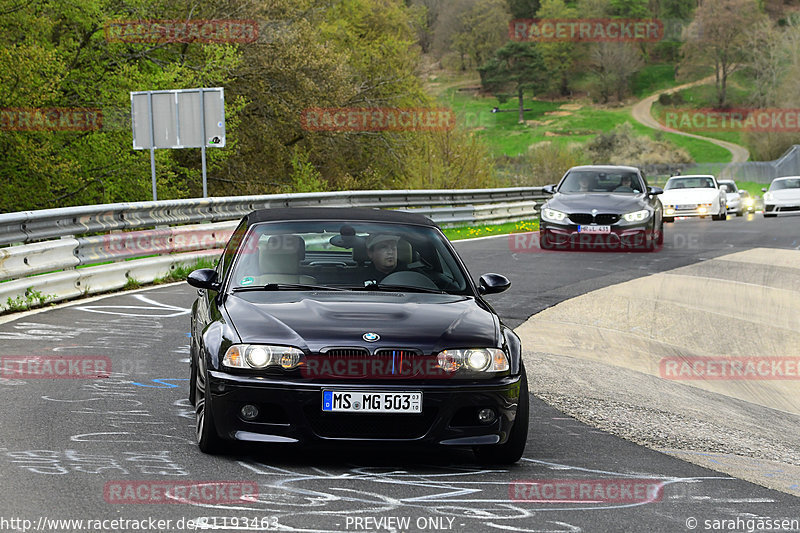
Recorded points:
(783, 196)
(694, 196)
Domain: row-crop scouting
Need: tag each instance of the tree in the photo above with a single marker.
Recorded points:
(614, 64)
(484, 28)
(558, 57)
(718, 37)
(523, 9)
(515, 68)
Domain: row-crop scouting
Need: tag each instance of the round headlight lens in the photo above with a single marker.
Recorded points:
(478, 359)
(449, 360)
(258, 357)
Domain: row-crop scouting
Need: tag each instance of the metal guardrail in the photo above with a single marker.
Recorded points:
(56, 251)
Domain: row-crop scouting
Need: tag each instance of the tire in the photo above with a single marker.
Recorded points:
(769, 215)
(660, 239)
(206, 431)
(669, 220)
(723, 216)
(511, 451)
(740, 213)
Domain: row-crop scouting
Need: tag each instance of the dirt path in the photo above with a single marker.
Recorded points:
(641, 113)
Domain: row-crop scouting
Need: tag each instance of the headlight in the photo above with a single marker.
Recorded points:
(260, 356)
(553, 215)
(767, 196)
(636, 216)
(474, 359)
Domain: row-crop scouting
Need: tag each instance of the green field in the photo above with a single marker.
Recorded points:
(557, 122)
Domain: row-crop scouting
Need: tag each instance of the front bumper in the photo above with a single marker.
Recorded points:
(567, 235)
(291, 411)
(697, 210)
(782, 207)
(734, 205)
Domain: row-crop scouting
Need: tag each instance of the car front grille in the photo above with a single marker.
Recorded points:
(369, 426)
(385, 363)
(588, 218)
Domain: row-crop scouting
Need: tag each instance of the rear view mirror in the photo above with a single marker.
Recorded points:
(549, 189)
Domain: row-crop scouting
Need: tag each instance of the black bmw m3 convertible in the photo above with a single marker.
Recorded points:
(357, 325)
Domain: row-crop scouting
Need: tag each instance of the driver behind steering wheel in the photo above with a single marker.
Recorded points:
(382, 253)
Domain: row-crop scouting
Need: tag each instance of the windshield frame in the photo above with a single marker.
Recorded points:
(438, 243)
(569, 183)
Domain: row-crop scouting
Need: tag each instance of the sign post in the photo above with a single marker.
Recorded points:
(181, 118)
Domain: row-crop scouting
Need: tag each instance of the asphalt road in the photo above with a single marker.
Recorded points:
(70, 449)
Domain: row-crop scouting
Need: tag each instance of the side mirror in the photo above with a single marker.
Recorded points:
(549, 189)
(493, 283)
(763, 189)
(204, 278)
(724, 187)
(655, 190)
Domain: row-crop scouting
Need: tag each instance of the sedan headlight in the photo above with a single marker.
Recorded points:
(637, 216)
(474, 359)
(260, 356)
(552, 215)
(768, 196)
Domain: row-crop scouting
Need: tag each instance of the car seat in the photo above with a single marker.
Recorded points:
(279, 260)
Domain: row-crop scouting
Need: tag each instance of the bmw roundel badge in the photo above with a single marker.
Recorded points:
(371, 337)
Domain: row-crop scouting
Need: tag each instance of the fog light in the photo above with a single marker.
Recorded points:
(249, 412)
(486, 416)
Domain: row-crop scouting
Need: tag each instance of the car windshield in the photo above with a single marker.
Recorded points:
(592, 181)
(690, 182)
(731, 186)
(785, 184)
(318, 255)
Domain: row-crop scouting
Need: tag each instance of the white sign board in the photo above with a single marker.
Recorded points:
(182, 118)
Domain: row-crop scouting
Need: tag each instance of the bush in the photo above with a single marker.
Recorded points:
(621, 146)
(544, 164)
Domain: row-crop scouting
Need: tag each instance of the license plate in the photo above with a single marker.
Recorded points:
(594, 229)
(686, 206)
(371, 402)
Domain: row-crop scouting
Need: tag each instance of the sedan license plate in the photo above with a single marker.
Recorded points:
(686, 206)
(594, 229)
(371, 402)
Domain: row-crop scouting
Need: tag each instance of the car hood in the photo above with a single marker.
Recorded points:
(315, 320)
(786, 194)
(689, 196)
(603, 202)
